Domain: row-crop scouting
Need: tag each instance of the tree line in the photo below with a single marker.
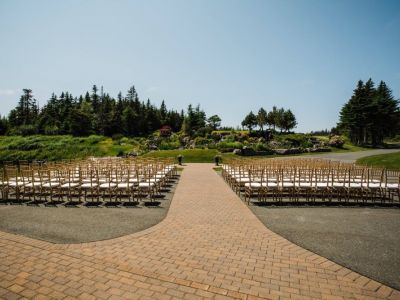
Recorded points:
(279, 118)
(370, 115)
(92, 113)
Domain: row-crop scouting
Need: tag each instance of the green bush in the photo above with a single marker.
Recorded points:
(51, 130)
(295, 140)
(336, 141)
(94, 139)
(24, 130)
(117, 137)
(164, 145)
(201, 141)
(229, 145)
(261, 147)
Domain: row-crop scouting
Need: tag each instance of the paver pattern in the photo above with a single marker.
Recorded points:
(209, 246)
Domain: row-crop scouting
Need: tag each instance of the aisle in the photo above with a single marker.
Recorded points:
(210, 245)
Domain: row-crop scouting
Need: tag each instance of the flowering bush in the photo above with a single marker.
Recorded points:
(336, 141)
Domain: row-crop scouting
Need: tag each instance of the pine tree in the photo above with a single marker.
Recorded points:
(272, 118)
(370, 115)
(214, 122)
(250, 121)
(289, 120)
(262, 117)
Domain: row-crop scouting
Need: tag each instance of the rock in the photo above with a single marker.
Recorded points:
(248, 151)
(288, 151)
(237, 151)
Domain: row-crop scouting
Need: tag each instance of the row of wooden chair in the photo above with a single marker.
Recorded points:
(128, 180)
(311, 179)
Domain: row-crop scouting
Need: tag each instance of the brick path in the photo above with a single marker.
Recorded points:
(209, 246)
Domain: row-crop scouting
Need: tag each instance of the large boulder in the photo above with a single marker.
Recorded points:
(288, 151)
(237, 151)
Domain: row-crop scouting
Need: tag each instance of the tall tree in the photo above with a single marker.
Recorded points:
(289, 120)
(250, 121)
(262, 117)
(272, 118)
(214, 122)
(26, 111)
(370, 115)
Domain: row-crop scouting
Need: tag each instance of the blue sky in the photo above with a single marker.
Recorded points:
(228, 56)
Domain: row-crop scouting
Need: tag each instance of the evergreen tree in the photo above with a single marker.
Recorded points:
(80, 121)
(272, 118)
(3, 125)
(128, 124)
(163, 113)
(262, 117)
(289, 120)
(370, 115)
(26, 111)
(250, 121)
(214, 122)
(280, 118)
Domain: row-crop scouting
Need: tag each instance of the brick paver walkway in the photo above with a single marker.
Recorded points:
(209, 246)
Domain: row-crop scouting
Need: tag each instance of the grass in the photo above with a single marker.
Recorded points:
(347, 147)
(42, 147)
(389, 161)
(190, 155)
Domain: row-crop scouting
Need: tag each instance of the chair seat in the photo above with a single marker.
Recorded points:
(374, 185)
(33, 184)
(88, 185)
(243, 179)
(68, 185)
(51, 185)
(146, 184)
(355, 185)
(253, 184)
(305, 184)
(107, 185)
(15, 183)
(123, 185)
(394, 186)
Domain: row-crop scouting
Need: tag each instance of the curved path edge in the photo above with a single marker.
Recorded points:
(210, 245)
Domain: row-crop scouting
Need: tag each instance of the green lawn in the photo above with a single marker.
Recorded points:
(190, 155)
(389, 161)
(60, 147)
(38, 147)
(347, 147)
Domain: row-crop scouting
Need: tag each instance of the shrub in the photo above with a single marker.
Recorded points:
(336, 141)
(164, 145)
(261, 147)
(51, 130)
(229, 145)
(24, 130)
(201, 141)
(295, 140)
(95, 139)
(117, 137)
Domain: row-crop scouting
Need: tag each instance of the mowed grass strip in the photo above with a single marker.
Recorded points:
(38, 147)
(389, 161)
(190, 155)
